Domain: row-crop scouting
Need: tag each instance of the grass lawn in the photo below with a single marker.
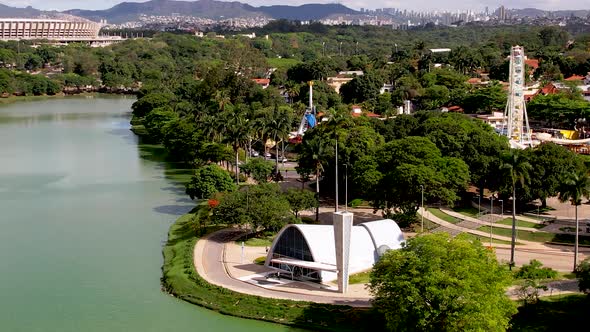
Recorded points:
(282, 63)
(520, 223)
(264, 241)
(522, 235)
(466, 210)
(429, 225)
(537, 236)
(181, 280)
(483, 240)
(441, 215)
(554, 313)
(260, 260)
(359, 278)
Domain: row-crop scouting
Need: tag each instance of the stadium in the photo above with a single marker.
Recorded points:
(50, 29)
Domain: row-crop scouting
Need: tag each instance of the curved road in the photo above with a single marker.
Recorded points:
(209, 261)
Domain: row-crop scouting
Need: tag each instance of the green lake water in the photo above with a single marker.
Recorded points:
(84, 212)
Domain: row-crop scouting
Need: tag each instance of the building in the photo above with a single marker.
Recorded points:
(496, 120)
(308, 252)
(51, 29)
(262, 82)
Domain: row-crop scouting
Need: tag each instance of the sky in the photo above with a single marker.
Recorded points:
(422, 5)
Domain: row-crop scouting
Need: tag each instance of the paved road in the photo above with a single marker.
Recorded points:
(210, 263)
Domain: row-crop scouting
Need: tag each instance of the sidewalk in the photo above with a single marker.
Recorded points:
(484, 223)
(484, 235)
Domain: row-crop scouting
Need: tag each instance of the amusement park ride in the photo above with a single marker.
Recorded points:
(307, 121)
(517, 127)
(516, 122)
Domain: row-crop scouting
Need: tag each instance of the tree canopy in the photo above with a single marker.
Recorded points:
(438, 283)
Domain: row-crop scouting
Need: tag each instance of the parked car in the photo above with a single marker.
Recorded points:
(254, 153)
(283, 159)
(267, 155)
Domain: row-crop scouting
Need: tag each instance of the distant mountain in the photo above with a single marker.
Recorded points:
(6, 11)
(306, 12)
(129, 11)
(534, 12)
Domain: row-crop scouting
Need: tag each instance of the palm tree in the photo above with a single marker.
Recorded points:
(278, 125)
(315, 149)
(573, 188)
(517, 168)
(236, 134)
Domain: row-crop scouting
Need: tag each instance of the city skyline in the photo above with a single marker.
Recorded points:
(428, 5)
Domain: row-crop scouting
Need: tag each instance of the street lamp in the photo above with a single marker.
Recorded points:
(340, 49)
(422, 223)
(479, 205)
(491, 217)
(323, 48)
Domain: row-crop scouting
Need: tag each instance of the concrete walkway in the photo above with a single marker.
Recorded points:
(483, 235)
(220, 262)
(484, 223)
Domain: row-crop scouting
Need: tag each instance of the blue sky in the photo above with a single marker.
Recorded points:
(356, 4)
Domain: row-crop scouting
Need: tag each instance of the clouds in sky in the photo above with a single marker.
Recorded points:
(355, 4)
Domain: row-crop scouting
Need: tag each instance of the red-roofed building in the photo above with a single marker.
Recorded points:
(533, 63)
(575, 78)
(263, 82)
(549, 89)
(358, 112)
(455, 109)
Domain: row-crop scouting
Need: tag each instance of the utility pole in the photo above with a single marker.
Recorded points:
(336, 172)
(422, 223)
(491, 212)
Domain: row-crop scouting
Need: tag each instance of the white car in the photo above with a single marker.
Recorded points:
(282, 159)
(267, 155)
(254, 153)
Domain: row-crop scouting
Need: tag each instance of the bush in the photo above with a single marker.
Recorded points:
(258, 168)
(355, 203)
(209, 180)
(534, 270)
(308, 220)
(583, 274)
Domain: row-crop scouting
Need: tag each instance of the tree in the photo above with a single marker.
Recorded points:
(573, 188)
(156, 120)
(465, 59)
(207, 181)
(278, 125)
(583, 275)
(488, 99)
(315, 152)
(301, 200)
(517, 169)
(552, 163)
(559, 109)
(235, 132)
(149, 102)
(261, 207)
(439, 283)
(402, 166)
(259, 169)
(362, 88)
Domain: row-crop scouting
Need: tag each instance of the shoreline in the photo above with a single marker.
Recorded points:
(181, 280)
(13, 99)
